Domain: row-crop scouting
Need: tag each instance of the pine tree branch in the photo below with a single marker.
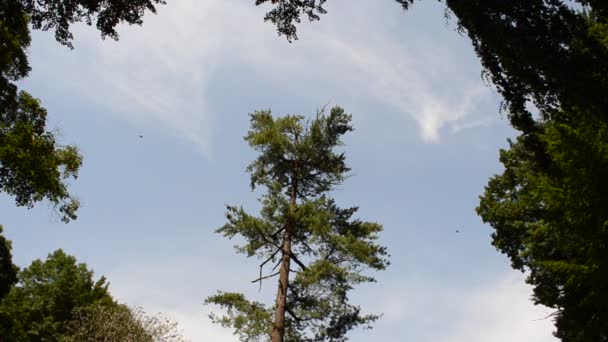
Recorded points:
(331, 251)
(270, 258)
(300, 194)
(295, 259)
(264, 263)
(277, 265)
(265, 277)
(292, 314)
(265, 238)
(306, 245)
(274, 235)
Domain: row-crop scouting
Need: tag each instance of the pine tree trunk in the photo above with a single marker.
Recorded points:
(278, 328)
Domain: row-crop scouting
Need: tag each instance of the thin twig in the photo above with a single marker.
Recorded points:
(277, 265)
(264, 263)
(265, 277)
(551, 314)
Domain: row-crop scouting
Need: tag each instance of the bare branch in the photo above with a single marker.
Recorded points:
(277, 265)
(295, 259)
(292, 314)
(264, 263)
(265, 238)
(550, 315)
(265, 277)
(306, 245)
(331, 251)
(274, 235)
(270, 258)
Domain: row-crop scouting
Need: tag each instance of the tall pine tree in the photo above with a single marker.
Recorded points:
(319, 249)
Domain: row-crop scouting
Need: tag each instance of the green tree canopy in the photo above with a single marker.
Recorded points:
(8, 270)
(543, 51)
(551, 220)
(42, 304)
(14, 40)
(320, 250)
(60, 15)
(33, 166)
(58, 300)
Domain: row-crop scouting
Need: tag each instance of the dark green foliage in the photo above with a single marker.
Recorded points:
(8, 270)
(14, 40)
(551, 220)
(42, 304)
(33, 166)
(57, 300)
(548, 206)
(287, 13)
(542, 51)
(298, 165)
(107, 14)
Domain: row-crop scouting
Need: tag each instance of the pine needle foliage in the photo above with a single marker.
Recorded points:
(319, 251)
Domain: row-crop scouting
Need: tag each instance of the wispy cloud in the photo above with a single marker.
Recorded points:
(411, 83)
(159, 75)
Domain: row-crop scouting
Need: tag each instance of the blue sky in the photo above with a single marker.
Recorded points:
(426, 140)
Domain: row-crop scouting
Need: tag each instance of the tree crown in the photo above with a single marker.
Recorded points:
(298, 164)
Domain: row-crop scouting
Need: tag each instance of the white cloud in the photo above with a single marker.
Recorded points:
(196, 326)
(176, 288)
(502, 312)
(497, 311)
(419, 87)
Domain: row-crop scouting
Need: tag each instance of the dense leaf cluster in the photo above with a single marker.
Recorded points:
(33, 166)
(58, 300)
(42, 304)
(287, 13)
(8, 270)
(552, 222)
(107, 14)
